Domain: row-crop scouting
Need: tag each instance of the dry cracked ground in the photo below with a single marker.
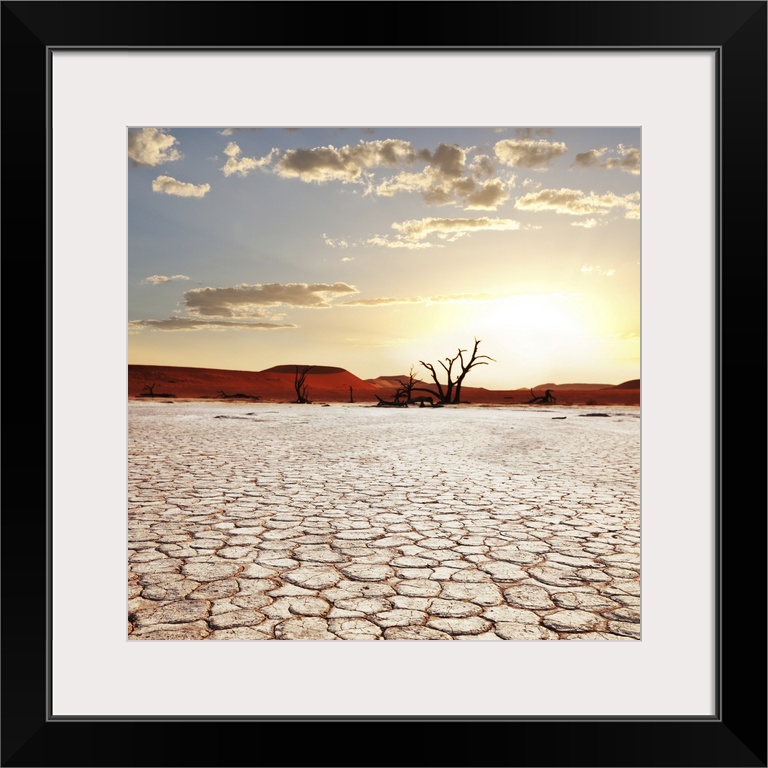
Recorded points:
(346, 522)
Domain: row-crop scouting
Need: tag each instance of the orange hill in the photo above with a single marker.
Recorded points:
(332, 384)
(274, 384)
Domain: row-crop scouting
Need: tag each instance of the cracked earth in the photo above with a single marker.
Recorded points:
(348, 522)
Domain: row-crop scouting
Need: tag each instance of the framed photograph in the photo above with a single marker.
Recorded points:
(683, 84)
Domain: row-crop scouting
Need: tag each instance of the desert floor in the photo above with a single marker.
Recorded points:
(262, 521)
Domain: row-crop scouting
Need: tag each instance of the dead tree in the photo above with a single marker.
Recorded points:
(390, 403)
(239, 395)
(302, 390)
(403, 395)
(546, 398)
(351, 399)
(456, 369)
(404, 391)
(151, 392)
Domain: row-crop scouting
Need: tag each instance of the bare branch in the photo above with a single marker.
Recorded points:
(451, 393)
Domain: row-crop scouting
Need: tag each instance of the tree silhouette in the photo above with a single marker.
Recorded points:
(302, 390)
(151, 392)
(456, 369)
(403, 392)
(547, 397)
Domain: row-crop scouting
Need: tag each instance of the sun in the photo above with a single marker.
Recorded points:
(550, 314)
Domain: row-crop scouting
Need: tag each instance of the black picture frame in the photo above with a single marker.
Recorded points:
(736, 735)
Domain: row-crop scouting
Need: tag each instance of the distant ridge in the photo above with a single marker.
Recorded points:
(314, 369)
(276, 383)
(387, 382)
(336, 384)
(574, 386)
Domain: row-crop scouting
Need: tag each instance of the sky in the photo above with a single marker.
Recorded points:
(374, 249)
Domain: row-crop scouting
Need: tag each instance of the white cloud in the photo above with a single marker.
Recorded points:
(448, 160)
(347, 164)
(442, 181)
(380, 302)
(465, 298)
(151, 146)
(170, 186)
(624, 158)
(158, 279)
(418, 229)
(454, 298)
(482, 167)
(407, 181)
(597, 270)
(413, 234)
(247, 300)
(242, 166)
(385, 242)
(528, 153)
(446, 178)
(487, 197)
(575, 202)
(335, 242)
(587, 223)
(197, 324)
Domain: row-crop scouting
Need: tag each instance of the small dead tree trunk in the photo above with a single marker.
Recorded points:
(351, 400)
(406, 388)
(299, 378)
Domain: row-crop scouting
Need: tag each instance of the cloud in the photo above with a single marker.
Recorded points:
(624, 158)
(587, 223)
(247, 300)
(527, 133)
(346, 164)
(158, 279)
(385, 242)
(242, 166)
(407, 181)
(528, 153)
(335, 243)
(197, 324)
(446, 178)
(482, 167)
(574, 202)
(456, 298)
(447, 159)
(380, 301)
(443, 180)
(487, 197)
(151, 146)
(450, 229)
(463, 298)
(171, 186)
(597, 270)
(413, 234)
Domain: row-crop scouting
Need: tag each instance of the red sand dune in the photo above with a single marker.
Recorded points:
(274, 384)
(331, 384)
